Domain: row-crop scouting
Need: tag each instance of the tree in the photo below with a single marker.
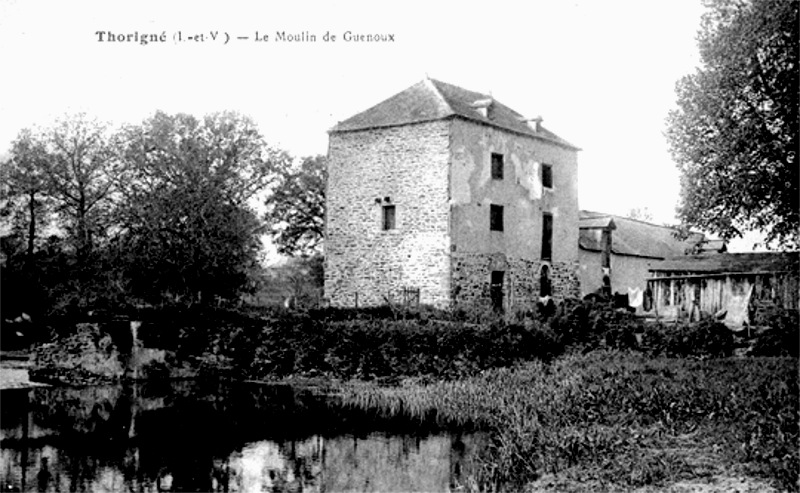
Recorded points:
(62, 173)
(78, 171)
(24, 194)
(188, 231)
(296, 207)
(734, 135)
(641, 214)
(68, 166)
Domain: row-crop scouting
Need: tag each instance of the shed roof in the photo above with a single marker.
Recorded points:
(605, 222)
(431, 99)
(731, 262)
(633, 237)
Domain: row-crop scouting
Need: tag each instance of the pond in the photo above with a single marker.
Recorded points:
(200, 436)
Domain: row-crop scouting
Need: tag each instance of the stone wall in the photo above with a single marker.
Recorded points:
(517, 249)
(566, 282)
(87, 356)
(95, 353)
(472, 278)
(438, 177)
(406, 167)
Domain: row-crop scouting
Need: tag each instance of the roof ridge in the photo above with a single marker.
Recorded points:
(674, 227)
(434, 84)
(431, 99)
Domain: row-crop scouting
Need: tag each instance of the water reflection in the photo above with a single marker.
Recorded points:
(190, 436)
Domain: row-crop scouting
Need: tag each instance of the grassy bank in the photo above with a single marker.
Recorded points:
(618, 420)
(590, 395)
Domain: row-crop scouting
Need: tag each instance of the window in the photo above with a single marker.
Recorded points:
(496, 217)
(547, 176)
(545, 286)
(388, 217)
(496, 290)
(547, 236)
(497, 166)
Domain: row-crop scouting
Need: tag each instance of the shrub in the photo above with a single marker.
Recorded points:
(354, 344)
(782, 334)
(706, 338)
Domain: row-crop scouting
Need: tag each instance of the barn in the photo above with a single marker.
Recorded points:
(732, 286)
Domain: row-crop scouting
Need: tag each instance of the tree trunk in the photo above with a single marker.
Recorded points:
(31, 227)
(84, 245)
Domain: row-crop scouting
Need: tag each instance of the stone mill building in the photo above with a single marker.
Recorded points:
(449, 194)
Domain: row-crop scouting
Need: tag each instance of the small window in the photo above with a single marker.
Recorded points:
(496, 217)
(545, 285)
(388, 217)
(547, 236)
(547, 176)
(496, 290)
(497, 166)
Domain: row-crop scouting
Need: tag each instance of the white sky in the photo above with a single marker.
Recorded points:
(601, 73)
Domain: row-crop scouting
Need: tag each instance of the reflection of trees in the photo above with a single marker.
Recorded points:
(191, 436)
(84, 410)
(293, 465)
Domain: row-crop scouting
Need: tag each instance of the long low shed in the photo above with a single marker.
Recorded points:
(687, 287)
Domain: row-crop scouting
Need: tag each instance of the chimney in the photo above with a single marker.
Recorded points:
(537, 123)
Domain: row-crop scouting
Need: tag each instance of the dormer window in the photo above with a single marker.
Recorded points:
(497, 166)
(484, 107)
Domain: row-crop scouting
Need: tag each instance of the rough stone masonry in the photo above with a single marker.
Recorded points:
(454, 204)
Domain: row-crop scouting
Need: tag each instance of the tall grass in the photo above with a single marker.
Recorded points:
(622, 418)
(636, 416)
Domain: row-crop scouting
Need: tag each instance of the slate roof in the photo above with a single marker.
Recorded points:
(431, 100)
(732, 262)
(633, 237)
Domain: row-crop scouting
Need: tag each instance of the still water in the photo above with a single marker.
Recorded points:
(192, 436)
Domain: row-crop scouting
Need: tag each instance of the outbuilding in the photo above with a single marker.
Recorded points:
(731, 286)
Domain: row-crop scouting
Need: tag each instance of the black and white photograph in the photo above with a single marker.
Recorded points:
(351, 246)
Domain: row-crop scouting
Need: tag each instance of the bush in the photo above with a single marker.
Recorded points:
(707, 338)
(392, 343)
(369, 344)
(781, 336)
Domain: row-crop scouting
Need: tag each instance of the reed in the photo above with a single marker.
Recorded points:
(615, 418)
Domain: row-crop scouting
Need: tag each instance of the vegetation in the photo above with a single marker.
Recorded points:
(734, 134)
(157, 219)
(296, 207)
(575, 399)
(187, 229)
(622, 420)
(588, 396)
(391, 344)
(159, 213)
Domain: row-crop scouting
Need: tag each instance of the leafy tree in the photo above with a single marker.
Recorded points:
(641, 214)
(78, 169)
(66, 166)
(735, 132)
(24, 194)
(188, 229)
(296, 208)
(57, 175)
